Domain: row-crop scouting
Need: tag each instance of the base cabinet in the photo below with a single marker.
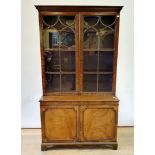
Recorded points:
(79, 123)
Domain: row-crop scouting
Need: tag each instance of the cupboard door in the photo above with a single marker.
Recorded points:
(60, 123)
(60, 53)
(98, 123)
(97, 52)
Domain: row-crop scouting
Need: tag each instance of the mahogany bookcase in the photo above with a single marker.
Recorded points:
(79, 48)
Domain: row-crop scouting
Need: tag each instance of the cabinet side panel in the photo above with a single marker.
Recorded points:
(41, 53)
(115, 55)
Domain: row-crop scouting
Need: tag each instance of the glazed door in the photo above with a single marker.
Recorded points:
(59, 46)
(59, 123)
(97, 52)
(98, 123)
(79, 52)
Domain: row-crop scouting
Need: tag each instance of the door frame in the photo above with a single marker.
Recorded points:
(46, 13)
(81, 14)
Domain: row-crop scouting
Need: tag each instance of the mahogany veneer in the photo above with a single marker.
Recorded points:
(79, 47)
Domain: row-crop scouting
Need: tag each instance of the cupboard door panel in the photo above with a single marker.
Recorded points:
(60, 52)
(98, 34)
(60, 123)
(98, 123)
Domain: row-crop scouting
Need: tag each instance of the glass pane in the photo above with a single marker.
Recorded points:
(107, 40)
(106, 61)
(68, 61)
(90, 39)
(51, 61)
(105, 83)
(67, 40)
(108, 21)
(59, 52)
(49, 21)
(68, 83)
(59, 32)
(52, 83)
(51, 39)
(90, 20)
(68, 20)
(98, 52)
(90, 61)
(90, 83)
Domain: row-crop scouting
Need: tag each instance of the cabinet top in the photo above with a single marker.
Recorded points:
(79, 8)
(80, 98)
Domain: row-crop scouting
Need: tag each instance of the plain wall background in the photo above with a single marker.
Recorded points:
(31, 89)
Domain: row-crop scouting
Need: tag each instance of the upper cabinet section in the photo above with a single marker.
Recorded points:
(79, 46)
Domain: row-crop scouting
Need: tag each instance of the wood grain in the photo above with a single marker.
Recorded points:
(55, 8)
(79, 118)
(115, 54)
(98, 123)
(61, 123)
(104, 98)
